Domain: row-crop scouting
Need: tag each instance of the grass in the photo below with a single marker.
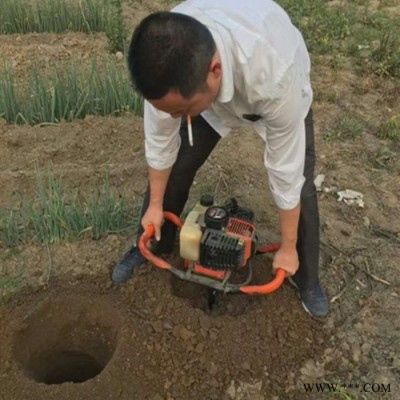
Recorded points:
(386, 56)
(324, 27)
(384, 158)
(329, 95)
(346, 125)
(375, 44)
(67, 94)
(11, 283)
(116, 30)
(25, 16)
(371, 39)
(390, 129)
(54, 216)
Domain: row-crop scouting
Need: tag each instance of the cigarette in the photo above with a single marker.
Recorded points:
(190, 132)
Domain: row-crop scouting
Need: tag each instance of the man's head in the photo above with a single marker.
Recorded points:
(174, 63)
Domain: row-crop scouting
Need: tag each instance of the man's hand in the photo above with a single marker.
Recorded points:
(154, 216)
(286, 259)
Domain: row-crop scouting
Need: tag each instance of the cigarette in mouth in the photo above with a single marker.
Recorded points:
(190, 132)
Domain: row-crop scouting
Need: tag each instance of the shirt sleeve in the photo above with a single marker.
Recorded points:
(162, 139)
(284, 154)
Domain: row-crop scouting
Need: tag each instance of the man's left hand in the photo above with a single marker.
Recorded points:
(286, 259)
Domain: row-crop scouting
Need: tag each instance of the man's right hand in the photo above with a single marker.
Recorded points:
(155, 212)
(154, 216)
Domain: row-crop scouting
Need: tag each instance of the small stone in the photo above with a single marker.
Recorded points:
(119, 55)
(149, 374)
(157, 326)
(382, 379)
(366, 348)
(214, 383)
(167, 385)
(108, 285)
(149, 348)
(341, 335)
(158, 310)
(190, 347)
(359, 327)
(168, 326)
(13, 140)
(345, 346)
(205, 323)
(231, 391)
(344, 362)
(396, 362)
(214, 334)
(312, 370)
(246, 366)
(185, 334)
(200, 347)
(356, 352)
(176, 331)
(213, 369)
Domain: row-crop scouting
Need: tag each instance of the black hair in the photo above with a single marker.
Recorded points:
(170, 51)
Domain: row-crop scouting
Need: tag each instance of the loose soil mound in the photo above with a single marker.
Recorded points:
(167, 343)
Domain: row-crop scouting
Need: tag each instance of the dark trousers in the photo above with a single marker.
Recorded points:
(190, 159)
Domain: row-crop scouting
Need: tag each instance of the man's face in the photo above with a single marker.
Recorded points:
(176, 105)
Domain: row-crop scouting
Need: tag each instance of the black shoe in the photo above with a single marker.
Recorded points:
(314, 300)
(123, 271)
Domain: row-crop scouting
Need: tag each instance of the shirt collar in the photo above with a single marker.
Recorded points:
(227, 87)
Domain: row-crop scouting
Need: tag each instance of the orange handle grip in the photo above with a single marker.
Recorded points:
(253, 290)
(268, 287)
(149, 233)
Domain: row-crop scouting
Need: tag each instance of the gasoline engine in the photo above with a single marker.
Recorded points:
(218, 237)
(217, 244)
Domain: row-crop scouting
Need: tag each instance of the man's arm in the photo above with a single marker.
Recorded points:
(284, 159)
(161, 146)
(286, 257)
(158, 181)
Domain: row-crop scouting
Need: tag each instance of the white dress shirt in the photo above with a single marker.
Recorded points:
(265, 72)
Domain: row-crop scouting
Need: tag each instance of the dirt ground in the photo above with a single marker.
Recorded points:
(155, 337)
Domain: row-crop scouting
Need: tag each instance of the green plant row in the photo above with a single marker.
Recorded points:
(25, 16)
(55, 217)
(67, 94)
